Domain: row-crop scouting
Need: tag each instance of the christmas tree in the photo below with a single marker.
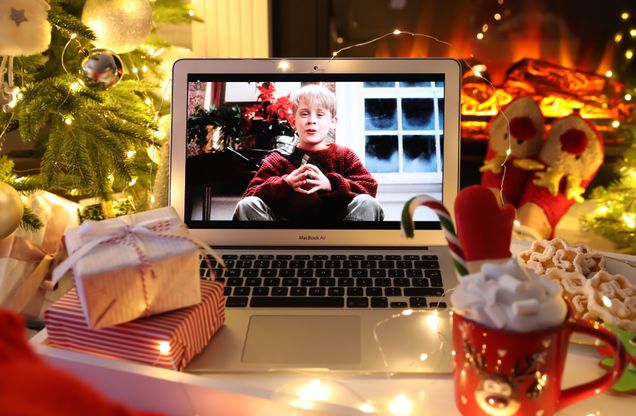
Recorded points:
(81, 80)
(615, 215)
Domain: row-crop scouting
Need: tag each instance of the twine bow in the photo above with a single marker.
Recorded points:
(42, 255)
(94, 233)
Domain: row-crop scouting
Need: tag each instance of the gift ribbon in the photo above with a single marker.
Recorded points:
(44, 255)
(119, 230)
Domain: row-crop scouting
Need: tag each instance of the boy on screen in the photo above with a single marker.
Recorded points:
(320, 181)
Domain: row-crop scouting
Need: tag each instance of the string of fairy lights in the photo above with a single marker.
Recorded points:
(315, 389)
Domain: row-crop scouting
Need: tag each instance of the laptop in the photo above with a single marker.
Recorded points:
(321, 295)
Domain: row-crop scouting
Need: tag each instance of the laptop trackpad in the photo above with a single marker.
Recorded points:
(316, 341)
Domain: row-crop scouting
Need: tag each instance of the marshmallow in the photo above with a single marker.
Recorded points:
(504, 296)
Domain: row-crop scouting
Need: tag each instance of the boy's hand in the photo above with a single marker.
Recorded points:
(316, 180)
(308, 179)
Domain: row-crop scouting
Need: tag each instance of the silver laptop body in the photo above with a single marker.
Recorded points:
(401, 117)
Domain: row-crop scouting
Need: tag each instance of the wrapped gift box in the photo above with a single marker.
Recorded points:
(132, 266)
(167, 340)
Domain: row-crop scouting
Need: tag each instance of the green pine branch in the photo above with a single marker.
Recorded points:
(67, 23)
(30, 220)
(172, 11)
(83, 136)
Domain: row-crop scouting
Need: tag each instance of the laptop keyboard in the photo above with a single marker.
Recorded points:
(329, 280)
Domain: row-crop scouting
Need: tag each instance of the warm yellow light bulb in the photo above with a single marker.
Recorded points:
(164, 347)
(433, 321)
(191, 13)
(609, 73)
(625, 15)
(397, 31)
(366, 408)
(480, 36)
(632, 33)
(628, 97)
(629, 54)
(401, 406)
(602, 210)
(68, 120)
(314, 391)
(606, 301)
(629, 219)
(479, 68)
(616, 124)
(484, 28)
(618, 37)
(497, 16)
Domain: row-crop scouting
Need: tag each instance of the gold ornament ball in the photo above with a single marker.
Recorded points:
(119, 25)
(11, 210)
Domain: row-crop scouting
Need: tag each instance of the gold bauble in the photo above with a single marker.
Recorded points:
(119, 25)
(11, 210)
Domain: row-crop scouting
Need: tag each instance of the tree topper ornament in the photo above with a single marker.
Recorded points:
(24, 31)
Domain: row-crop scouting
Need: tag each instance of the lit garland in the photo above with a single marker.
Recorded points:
(477, 71)
(615, 213)
(115, 130)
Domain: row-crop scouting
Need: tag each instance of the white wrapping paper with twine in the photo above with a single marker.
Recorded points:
(133, 266)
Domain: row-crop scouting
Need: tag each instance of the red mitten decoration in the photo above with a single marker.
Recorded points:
(29, 386)
(483, 227)
(526, 132)
(572, 153)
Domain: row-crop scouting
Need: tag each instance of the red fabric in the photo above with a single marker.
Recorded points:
(522, 128)
(516, 179)
(554, 206)
(483, 227)
(341, 165)
(29, 386)
(573, 141)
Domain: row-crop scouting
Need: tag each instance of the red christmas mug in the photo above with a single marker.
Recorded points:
(502, 373)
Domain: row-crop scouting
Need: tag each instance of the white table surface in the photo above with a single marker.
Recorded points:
(278, 394)
(174, 393)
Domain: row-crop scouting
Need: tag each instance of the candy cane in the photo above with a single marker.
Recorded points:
(408, 227)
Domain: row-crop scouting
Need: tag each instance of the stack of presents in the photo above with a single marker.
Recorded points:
(137, 295)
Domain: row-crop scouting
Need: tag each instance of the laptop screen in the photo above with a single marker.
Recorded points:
(312, 150)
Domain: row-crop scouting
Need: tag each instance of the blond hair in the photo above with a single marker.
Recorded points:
(315, 93)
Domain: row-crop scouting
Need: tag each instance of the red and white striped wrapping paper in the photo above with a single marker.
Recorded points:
(186, 331)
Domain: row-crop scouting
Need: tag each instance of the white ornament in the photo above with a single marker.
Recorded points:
(24, 28)
(24, 31)
(119, 25)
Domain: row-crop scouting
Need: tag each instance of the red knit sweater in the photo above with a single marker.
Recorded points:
(341, 165)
